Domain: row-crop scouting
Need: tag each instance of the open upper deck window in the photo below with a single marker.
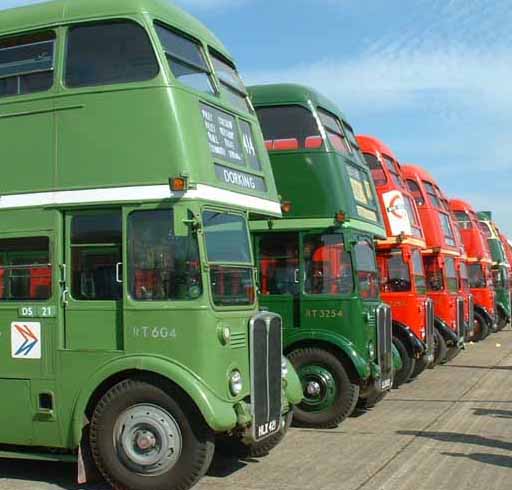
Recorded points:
(186, 59)
(109, 53)
(231, 83)
(333, 128)
(27, 64)
(485, 229)
(288, 127)
(378, 174)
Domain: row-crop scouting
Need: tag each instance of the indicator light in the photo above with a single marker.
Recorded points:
(341, 217)
(178, 184)
(286, 207)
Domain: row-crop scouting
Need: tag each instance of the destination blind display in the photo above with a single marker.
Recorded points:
(230, 144)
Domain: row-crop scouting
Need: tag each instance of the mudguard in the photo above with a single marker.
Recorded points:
(397, 359)
(504, 310)
(485, 314)
(449, 335)
(361, 364)
(219, 414)
(406, 335)
(293, 390)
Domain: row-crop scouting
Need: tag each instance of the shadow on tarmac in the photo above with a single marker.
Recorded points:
(486, 458)
(458, 438)
(62, 475)
(493, 412)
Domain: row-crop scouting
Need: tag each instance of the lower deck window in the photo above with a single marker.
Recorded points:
(25, 269)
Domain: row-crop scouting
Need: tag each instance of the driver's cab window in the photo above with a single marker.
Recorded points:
(279, 263)
(395, 273)
(96, 251)
(327, 265)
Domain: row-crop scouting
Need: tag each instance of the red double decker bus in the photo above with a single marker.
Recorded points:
(399, 258)
(441, 260)
(479, 267)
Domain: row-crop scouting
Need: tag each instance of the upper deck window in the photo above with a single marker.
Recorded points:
(354, 145)
(186, 59)
(416, 192)
(231, 83)
(27, 64)
(393, 170)
(413, 218)
(463, 219)
(334, 131)
(109, 53)
(289, 127)
(447, 229)
(378, 174)
(434, 199)
(485, 229)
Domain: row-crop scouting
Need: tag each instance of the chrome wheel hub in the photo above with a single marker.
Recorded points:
(313, 388)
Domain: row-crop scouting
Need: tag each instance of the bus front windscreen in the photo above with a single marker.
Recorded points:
(476, 276)
(366, 270)
(397, 277)
(419, 271)
(229, 257)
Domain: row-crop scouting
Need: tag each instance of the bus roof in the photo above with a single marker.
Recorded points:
(461, 205)
(372, 144)
(291, 93)
(58, 12)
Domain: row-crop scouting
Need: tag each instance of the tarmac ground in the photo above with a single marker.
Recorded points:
(451, 429)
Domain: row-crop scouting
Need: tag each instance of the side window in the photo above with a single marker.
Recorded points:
(279, 263)
(451, 275)
(95, 256)
(363, 193)
(186, 59)
(447, 229)
(109, 53)
(463, 220)
(290, 127)
(27, 64)
(378, 173)
(161, 265)
(334, 131)
(25, 269)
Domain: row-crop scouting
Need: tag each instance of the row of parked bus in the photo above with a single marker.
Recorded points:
(183, 260)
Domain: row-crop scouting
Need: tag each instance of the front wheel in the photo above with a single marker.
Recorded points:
(408, 364)
(502, 321)
(421, 365)
(481, 328)
(329, 394)
(142, 437)
(440, 348)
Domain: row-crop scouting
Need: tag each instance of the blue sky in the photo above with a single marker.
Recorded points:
(431, 78)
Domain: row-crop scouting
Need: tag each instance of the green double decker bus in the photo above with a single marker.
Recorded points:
(500, 269)
(130, 328)
(317, 266)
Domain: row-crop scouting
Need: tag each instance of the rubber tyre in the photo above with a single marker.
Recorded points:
(440, 348)
(371, 401)
(420, 366)
(452, 353)
(408, 364)
(197, 438)
(347, 392)
(482, 330)
(502, 322)
(234, 447)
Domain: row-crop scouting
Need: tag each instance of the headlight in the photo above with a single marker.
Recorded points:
(371, 350)
(284, 367)
(235, 383)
